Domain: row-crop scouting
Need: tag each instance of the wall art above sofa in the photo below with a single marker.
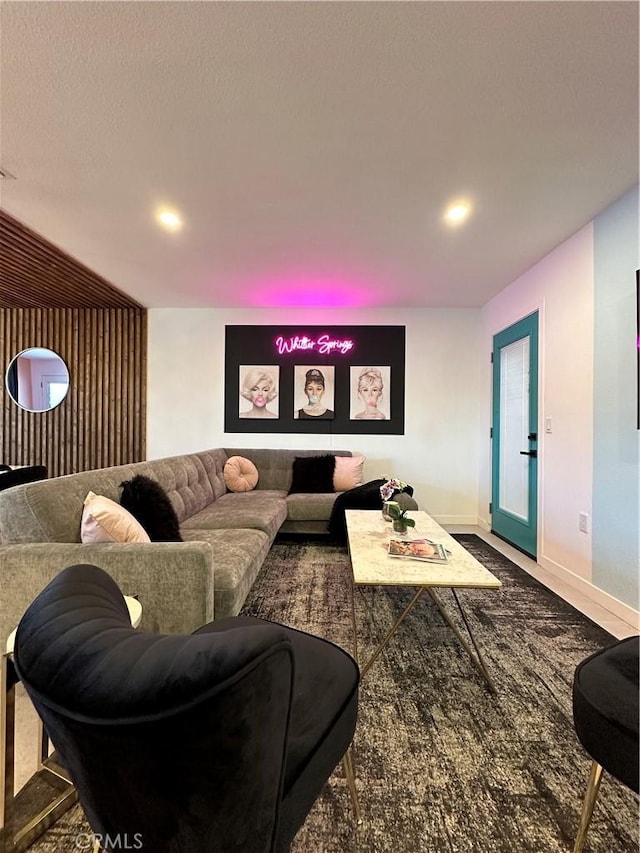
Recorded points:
(315, 379)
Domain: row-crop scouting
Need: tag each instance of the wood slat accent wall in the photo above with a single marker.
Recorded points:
(102, 420)
(35, 273)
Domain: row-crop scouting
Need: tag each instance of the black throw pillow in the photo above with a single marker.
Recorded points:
(148, 502)
(313, 474)
(364, 496)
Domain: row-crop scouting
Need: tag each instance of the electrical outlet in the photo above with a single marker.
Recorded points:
(583, 522)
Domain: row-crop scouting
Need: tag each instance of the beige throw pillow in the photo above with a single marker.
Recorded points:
(348, 472)
(240, 474)
(104, 520)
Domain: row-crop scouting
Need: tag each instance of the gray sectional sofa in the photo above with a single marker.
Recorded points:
(181, 585)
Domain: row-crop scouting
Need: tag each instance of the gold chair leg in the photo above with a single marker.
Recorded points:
(590, 797)
(13, 839)
(350, 776)
(7, 712)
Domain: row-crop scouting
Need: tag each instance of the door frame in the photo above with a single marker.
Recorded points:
(535, 504)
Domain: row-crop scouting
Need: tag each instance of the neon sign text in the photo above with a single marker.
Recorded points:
(324, 345)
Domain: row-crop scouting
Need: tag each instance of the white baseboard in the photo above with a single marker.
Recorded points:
(455, 519)
(598, 596)
(613, 605)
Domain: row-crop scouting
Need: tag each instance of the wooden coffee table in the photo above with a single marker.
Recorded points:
(368, 536)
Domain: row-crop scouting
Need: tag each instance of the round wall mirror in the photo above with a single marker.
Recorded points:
(37, 379)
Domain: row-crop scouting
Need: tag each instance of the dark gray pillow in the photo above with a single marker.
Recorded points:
(313, 474)
(148, 502)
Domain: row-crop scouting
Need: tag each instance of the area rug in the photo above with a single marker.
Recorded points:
(442, 764)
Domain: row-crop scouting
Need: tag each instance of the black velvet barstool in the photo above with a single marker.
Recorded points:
(605, 713)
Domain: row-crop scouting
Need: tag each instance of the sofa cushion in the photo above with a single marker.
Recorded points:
(312, 474)
(148, 502)
(258, 510)
(348, 472)
(240, 474)
(213, 462)
(238, 556)
(310, 507)
(103, 520)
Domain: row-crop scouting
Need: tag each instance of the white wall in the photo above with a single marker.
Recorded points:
(560, 287)
(438, 454)
(616, 471)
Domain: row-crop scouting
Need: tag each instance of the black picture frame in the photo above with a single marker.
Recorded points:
(291, 346)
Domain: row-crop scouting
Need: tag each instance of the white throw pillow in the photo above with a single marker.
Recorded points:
(348, 472)
(104, 520)
(240, 474)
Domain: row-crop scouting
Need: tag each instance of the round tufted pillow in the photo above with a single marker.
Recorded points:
(240, 474)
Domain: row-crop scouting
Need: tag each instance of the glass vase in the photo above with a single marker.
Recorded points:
(385, 509)
(400, 525)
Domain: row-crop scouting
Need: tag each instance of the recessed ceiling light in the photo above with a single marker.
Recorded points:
(457, 212)
(169, 219)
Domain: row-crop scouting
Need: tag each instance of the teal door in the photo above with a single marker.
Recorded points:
(514, 433)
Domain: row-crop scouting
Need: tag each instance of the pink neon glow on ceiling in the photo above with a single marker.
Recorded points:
(312, 291)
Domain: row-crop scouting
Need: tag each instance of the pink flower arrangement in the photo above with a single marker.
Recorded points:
(387, 489)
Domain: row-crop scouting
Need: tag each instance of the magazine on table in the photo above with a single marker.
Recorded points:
(419, 549)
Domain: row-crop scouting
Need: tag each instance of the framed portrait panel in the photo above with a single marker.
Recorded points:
(314, 391)
(258, 391)
(316, 373)
(370, 393)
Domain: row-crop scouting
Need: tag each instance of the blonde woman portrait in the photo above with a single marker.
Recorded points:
(259, 385)
(370, 389)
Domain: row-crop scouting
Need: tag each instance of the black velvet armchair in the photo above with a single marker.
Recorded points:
(216, 741)
(17, 476)
(605, 714)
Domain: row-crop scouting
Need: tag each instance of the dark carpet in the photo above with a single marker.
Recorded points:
(443, 765)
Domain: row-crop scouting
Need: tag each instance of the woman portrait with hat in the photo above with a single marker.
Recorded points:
(314, 389)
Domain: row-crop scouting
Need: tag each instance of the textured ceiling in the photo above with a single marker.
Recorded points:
(312, 146)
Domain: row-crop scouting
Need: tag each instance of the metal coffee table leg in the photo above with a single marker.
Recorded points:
(477, 657)
(383, 645)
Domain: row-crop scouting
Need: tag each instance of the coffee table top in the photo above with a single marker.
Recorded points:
(369, 534)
